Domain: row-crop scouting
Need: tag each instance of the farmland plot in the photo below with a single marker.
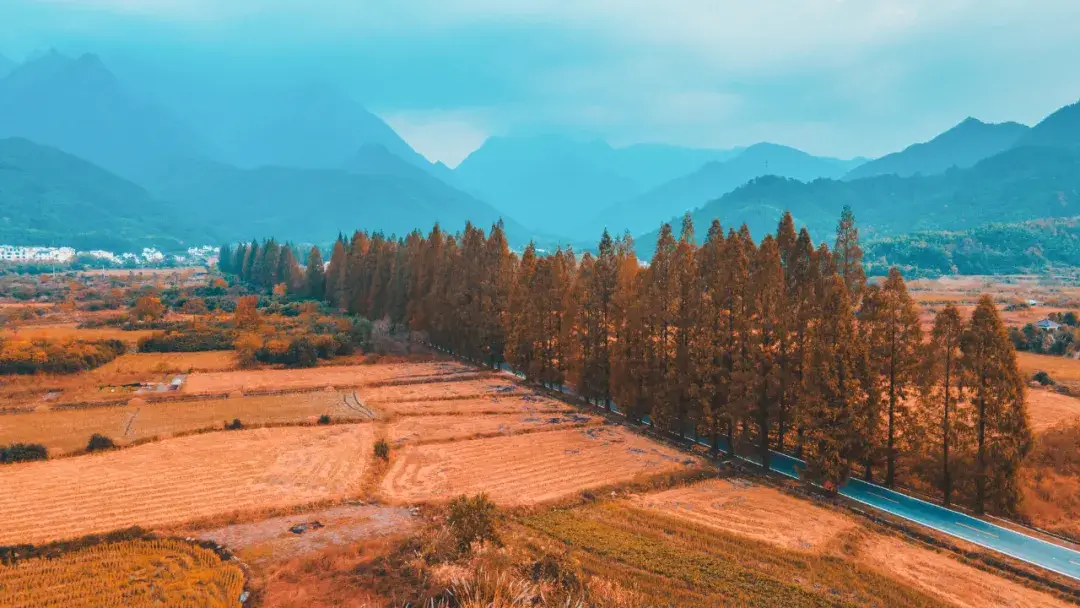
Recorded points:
(450, 427)
(493, 386)
(343, 375)
(526, 404)
(131, 573)
(527, 469)
(178, 480)
(65, 431)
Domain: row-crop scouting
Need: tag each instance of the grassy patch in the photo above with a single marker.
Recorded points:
(668, 558)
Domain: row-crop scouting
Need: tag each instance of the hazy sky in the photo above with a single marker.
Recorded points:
(836, 77)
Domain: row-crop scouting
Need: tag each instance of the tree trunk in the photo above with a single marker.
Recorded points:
(890, 471)
(980, 461)
(946, 480)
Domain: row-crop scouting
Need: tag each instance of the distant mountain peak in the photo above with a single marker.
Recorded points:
(966, 143)
(1060, 129)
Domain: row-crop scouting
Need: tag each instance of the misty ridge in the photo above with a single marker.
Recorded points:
(92, 162)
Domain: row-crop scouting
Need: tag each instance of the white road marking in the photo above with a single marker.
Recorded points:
(976, 529)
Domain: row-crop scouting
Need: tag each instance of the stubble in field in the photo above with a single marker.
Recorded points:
(475, 388)
(65, 431)
(130, 574)
(178, 480)
(753, 511)
(434, 428)
(344, 375)
(527, 469)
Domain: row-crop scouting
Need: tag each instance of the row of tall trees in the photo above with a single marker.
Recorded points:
(776, 345)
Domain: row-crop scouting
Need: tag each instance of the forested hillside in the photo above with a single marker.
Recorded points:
(1018, 185)
(781, 344)
(1026, 247)
(48, 197)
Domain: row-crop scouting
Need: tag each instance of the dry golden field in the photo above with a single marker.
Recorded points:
(338, 376)
(441, 428)
(1061, 369)
(760, 513)
(527, 469)
(178, 363)
(485, 405)
(494, 385)
(125, 574)
(181, 479)
(61, 331)
(65, 431)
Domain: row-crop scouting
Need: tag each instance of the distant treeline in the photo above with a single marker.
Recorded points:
(1027, 247)
(781, 344)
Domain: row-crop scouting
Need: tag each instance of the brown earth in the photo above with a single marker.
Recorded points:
(178, 480)
(527, 469)
(268, 541)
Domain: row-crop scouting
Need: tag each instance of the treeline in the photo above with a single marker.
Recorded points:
(779, 344)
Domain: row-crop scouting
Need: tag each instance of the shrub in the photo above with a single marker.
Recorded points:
(99, 443)
(23, 452)
(1043, 378)
(382, 449)
(472, 520)
(18, 356)
(235, 425)
(189, 340)
(324, 419)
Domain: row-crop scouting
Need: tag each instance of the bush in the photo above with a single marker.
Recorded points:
(324, 419)
(1043, 378)
(189, 340)
(235, 425)
(23, 452)
(382, 449)
(100, 443)
(472, 520)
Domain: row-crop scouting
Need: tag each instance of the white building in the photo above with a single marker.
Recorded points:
(45, 255)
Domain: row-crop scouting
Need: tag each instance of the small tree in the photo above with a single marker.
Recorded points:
(472, 520)
(247, 314)
(148, 308)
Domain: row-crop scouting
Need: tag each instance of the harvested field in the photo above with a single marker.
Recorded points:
(448, 428)
(66, 431)
(758, 512)
(1047, 408)
(527, 469)
(945, 577)
(130, 573)
(1061, 369)
(479, 387)
(271, 540)
(164, 363)
(170, 482)
(761, 513)
(345, 375)
(60, 331)
(525, 404)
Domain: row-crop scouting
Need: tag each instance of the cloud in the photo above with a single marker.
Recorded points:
(842, 77)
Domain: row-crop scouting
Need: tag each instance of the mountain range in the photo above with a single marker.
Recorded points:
(961, 146)
(551, 183)
(684, 193)
(309, 161)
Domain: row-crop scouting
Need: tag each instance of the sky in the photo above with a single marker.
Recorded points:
(841, 78)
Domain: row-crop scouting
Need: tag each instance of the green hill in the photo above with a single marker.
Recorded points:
(1025, 247)
(48, 197)
(1061, 129)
